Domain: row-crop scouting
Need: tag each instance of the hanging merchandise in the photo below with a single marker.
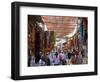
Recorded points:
(52, 39)
(81, 28)
(85, 22)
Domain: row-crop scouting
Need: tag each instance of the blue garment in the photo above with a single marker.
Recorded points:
(81, 28)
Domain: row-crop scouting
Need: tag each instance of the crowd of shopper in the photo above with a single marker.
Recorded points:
(69, 57)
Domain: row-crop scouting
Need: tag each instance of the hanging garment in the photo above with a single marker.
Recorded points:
(81, 28)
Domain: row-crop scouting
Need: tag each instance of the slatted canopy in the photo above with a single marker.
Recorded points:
(62, 25)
